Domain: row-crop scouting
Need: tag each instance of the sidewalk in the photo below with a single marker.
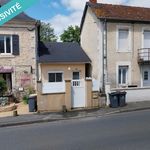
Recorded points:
(76, 114)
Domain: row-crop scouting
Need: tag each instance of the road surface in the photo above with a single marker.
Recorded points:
(126, 131)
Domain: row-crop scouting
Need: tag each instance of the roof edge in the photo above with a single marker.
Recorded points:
(83, 16)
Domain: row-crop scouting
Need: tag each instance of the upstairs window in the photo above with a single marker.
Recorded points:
(55, 77)
(5, 44)
(123, 40)
(9, 44)
(146, 39)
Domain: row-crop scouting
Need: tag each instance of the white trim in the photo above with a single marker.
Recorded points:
(117, 38)
(141, 74)
(11, 45)
(144, 28)
(53, 87)
(11, 49)
(123, 63)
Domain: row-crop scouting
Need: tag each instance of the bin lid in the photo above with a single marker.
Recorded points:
(32, 95)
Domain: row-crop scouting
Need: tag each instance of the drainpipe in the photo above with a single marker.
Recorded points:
(37, 48)
(104, 53)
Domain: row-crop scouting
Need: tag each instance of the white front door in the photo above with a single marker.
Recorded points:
(78, 91)
(146, 75)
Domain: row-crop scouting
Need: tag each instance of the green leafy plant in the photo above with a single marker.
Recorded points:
(47, 33)
(3, 86)
(25, 99)
(71, 34)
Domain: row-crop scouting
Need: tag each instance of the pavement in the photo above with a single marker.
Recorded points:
(30, 118)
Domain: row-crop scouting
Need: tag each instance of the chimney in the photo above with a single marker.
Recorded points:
(93, 1)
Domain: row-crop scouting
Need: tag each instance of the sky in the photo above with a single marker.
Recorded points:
(63, 13)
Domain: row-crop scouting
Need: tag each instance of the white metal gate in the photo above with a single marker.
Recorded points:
(78, 93)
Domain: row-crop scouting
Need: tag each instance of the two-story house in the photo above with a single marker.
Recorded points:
(117, 40)
(18, 45)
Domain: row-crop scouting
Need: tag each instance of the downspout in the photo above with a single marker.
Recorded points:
(104, 57)
(37, 52)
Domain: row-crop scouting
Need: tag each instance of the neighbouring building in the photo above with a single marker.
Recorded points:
(64, 71)
(117, 40)
(18, 46)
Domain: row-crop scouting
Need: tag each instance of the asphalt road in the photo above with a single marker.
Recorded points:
(127, 131)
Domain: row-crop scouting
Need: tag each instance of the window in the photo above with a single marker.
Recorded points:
(5, 44)
(76, 75)
(55, 77)
(123, 40)
(123, 74)
(146, 39)
(145, 75)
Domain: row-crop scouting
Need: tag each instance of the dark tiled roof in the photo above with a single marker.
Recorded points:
(21, 16)
(57, 52)
(120, 12)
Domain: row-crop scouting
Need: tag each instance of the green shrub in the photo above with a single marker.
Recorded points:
(3, 86)
(25, 99)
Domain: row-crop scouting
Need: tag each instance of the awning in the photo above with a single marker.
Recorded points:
(6, 69)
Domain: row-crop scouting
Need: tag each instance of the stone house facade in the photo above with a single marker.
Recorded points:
(18, 45)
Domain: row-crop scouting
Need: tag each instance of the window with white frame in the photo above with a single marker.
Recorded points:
(5, 44)
(123, 39)
(123, 75)
(55, 77)
(146, 43)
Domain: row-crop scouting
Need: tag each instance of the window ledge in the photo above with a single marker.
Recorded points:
(119, 51)
(6, 56)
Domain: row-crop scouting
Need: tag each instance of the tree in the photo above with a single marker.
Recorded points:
(72, 34)
(47, 33)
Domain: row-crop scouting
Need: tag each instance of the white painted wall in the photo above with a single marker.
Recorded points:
(137, 94)
(91, 42)
(95, 85)
(57, 87)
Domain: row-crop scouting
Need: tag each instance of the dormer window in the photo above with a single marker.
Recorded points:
(5, 44)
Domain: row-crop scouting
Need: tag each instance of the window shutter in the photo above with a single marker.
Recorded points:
(15, 42)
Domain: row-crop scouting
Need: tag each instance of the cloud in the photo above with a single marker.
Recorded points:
(112, 1)
(61, 22)
(75, 7)
(54, 5)
(143, 3)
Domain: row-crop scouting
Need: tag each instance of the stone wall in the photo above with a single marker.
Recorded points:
(24, 64)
